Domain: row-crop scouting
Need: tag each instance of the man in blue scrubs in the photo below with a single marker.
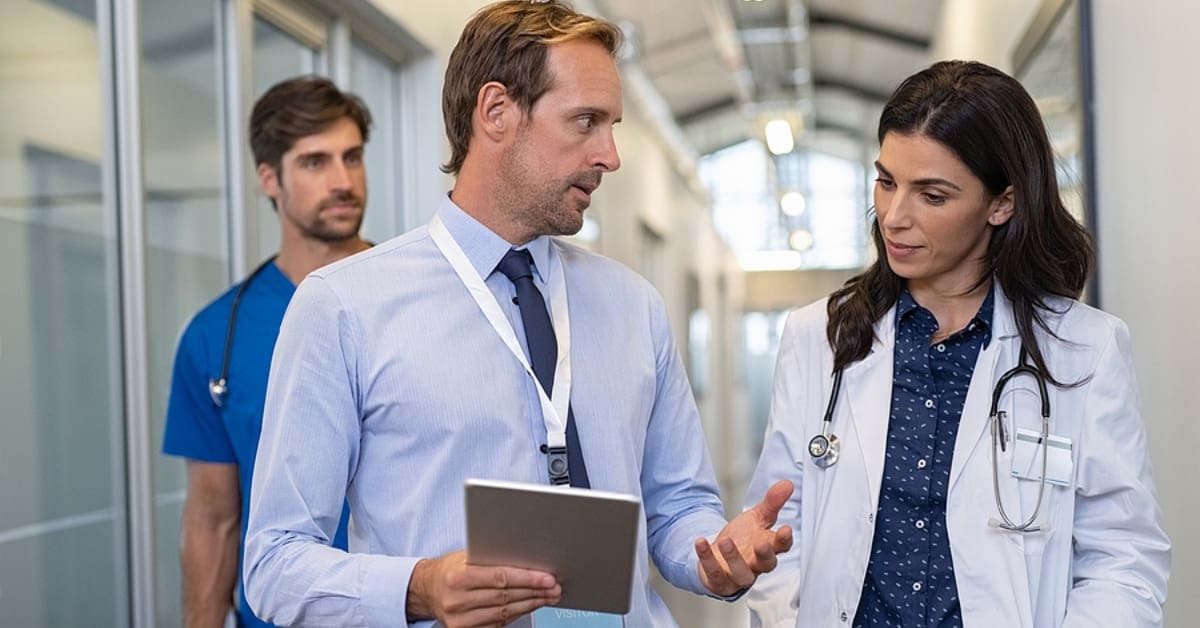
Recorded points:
(307, 138)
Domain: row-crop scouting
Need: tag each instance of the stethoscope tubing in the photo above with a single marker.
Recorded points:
(218, 388)
(824, 448)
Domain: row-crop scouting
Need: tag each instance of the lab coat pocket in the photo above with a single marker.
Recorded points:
(1040, 500)
(1026, 501)
(1035, 541)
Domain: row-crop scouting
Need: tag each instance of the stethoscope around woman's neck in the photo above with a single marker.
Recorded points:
(996, 418)
(825, 448)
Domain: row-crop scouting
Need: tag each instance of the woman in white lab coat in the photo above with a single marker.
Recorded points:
(913, 505)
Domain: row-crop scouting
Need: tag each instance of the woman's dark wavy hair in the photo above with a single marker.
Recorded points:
(992, 124)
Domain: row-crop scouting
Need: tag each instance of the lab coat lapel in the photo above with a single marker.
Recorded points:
(867, 393)
(973, 428)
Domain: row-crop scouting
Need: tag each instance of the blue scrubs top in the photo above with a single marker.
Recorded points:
(199, 430)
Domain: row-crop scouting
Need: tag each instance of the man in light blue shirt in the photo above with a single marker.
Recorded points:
(403, 371)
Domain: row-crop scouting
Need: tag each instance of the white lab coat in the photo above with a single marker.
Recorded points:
(1104, 561)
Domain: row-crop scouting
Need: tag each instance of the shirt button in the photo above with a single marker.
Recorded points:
(916, 586)
(921, 463)
(941, 348)
(845, 617)
(928, 403)
(920, 524)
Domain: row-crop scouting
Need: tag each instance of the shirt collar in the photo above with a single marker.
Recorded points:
(907, 305)
(483, 247)
(272, 275)
(983, 317)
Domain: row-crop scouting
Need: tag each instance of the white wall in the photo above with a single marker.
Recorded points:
(982, 30)
(1146, 139)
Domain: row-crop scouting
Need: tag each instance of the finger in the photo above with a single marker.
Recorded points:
(776, 498)
(506, 578)
(783, 539)
(764, 558)
(502, 615)
(712, 572)
(489, 587)
(516, 608)
(488, 600)
(739, 572)
(503, 597)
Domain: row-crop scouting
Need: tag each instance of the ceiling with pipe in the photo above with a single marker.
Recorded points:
(726, 67)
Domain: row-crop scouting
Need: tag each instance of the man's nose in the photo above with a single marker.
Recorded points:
(338, 177)
(606, 156)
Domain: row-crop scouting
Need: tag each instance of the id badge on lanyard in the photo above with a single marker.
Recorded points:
(567, 618)
(554, 409)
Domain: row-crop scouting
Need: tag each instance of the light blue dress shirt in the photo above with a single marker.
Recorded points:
(388, 386)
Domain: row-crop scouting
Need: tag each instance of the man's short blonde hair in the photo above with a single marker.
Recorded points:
(507, 42)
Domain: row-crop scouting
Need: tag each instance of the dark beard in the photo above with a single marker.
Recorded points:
(326, 231)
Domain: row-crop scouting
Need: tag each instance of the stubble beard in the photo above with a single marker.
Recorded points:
(542, 206)
(328, 231)
(552, 210)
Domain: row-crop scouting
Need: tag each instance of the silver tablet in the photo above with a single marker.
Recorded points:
(586, 538)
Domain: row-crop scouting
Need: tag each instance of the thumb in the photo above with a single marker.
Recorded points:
(777, 496)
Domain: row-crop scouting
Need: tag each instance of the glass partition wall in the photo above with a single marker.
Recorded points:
(278, 55)
(108, 250)
(63, 560)
(186, 226)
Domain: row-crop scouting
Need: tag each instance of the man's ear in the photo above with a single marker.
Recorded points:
(1001, 208)
(495, 111)
(268, 180)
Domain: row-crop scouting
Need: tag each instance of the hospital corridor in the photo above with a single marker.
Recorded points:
(754, 157)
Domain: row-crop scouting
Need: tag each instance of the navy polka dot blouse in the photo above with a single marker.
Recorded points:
(910, 578)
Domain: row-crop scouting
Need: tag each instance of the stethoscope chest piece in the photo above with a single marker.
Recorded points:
(824, 450)
(217, 390)
(824, 447)
(218, 387)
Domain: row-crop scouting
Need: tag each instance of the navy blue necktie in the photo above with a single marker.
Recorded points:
(517, 265)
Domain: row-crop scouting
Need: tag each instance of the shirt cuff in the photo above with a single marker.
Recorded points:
(703, 590)
(385, 589)
(737, 595)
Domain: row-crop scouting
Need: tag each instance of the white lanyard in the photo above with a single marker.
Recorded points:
(554, 410)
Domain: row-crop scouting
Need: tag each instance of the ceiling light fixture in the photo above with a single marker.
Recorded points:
(752, 261)
(801, 240)
(779, 137)
(792, 203)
